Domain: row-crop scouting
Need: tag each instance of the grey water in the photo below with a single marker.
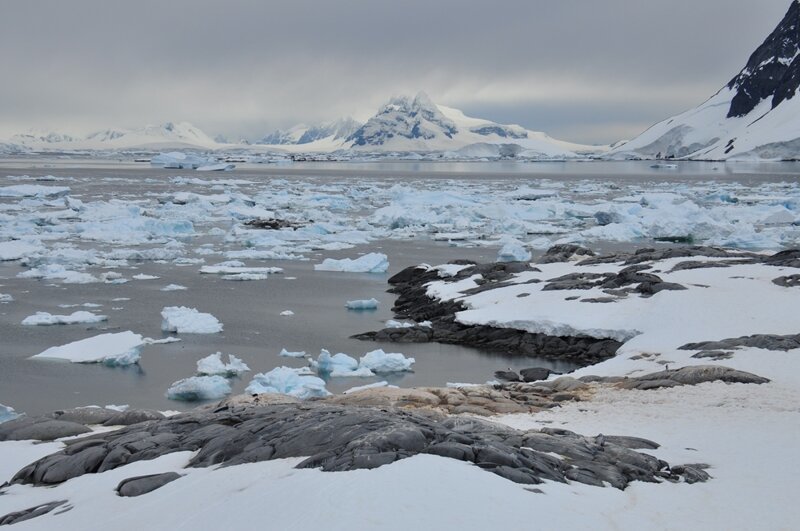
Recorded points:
(250, 311)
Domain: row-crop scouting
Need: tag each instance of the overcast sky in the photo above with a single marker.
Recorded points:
(581, 70)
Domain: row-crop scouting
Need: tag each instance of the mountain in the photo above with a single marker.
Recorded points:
(418, 124)
(168, 135)
(301, 134)
(755, 116)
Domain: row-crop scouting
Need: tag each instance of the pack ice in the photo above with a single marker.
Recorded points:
(80, 317)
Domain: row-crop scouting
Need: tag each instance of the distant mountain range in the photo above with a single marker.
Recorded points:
(755, 116)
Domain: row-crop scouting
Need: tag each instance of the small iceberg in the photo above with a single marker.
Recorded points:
(287, 381)
(183, 320)
(45, 319)
(180, 161)
(199, 388)
(368, 304)
(379, 361)
(7, 413)
(513, 251)
(286, 354)
(214, 366)
(369, 263)
(222, 166)
(118, 349)
(339, 365)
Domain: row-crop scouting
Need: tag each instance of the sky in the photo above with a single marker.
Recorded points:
(592, 71)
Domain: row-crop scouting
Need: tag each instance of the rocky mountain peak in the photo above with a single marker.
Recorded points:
(773, 70)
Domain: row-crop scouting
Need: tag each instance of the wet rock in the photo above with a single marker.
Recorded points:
(564, 253)
(33, 512)
(133, 416)
(535, 374)
(508, 376)
(273, 224)
(139, 485)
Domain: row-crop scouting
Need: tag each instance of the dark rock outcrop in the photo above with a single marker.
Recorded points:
(139, 485)
(764, 341)
(32, 512)
(338, 438)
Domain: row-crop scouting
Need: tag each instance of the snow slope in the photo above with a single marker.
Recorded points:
(755, 116)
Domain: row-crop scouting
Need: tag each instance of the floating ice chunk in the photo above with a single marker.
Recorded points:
(287, 313)
(381, 362)
(287, 381)
(327, 363)
(199, 388)
(122, 348)
(145, 277)
(286, 354)
(6, 298)
(174, 287)
(44, 319)
(376, 385)
(217, 167)
(112, 277)
(224, 269)
(369, 263)
(513, 251)
(16, 250)
(164, 341)
(242, 277)
(213, 365)
(368, 304)
(178, 160)
(33, 190)
(7, 413)
(58, 272)
(185, 320)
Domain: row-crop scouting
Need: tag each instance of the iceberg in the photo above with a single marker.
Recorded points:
(339, 365)
(213, 365)
(381, 362)
(216, 167)
(81, 317)
(286, 354)
(513, 251)
(369, 263)
(287, 381)
(7, 413)
(183, 320)
(181, 161)
(369, 304)
(199, 388)
(118, 349)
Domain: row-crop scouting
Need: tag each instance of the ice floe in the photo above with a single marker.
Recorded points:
(199, 388)
(213, 365)
(288, 354)
(118, 349)
(80, 317)
(369, 263)
(183, 320)
(174, 287)
(7, 413)
(379, 361)
(364, 304)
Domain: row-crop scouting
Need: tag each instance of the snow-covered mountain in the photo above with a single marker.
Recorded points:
(418, 124)
(755, 116)
(335, 131)
(165, 136)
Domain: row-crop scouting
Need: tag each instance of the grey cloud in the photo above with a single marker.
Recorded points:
(244, 67)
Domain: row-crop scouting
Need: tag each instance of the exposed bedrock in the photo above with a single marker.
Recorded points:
(337, 437)
(414, 303)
